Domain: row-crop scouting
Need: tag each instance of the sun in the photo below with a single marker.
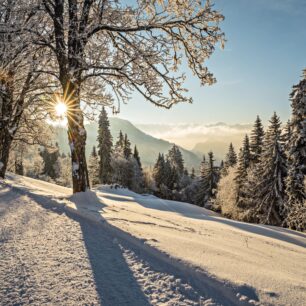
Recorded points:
(61, 109)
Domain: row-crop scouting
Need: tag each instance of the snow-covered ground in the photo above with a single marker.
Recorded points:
(115, 247)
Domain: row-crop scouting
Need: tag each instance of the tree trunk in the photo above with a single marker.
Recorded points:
(5, 145)
(77, 140)
(6, 108)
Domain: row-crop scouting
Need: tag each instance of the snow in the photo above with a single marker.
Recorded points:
(113, 246)
(75, 167)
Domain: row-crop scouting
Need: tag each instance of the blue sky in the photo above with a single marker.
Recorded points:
(263, 57)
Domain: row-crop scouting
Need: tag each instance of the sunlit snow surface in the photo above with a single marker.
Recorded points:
(115, 247)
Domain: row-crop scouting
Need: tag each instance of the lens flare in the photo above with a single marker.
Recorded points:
(61, 109)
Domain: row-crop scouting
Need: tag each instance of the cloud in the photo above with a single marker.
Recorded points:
(188, 135)
(287, 6)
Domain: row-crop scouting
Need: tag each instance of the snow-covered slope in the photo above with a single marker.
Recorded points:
(177, 253)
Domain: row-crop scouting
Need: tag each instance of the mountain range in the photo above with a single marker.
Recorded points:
(148, 146)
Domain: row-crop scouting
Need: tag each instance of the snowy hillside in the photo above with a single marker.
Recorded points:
(116, 247)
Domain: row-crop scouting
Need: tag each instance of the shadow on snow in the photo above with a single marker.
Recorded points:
(115, 282)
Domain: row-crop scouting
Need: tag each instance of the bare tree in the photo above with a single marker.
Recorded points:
(104, 50)
(20, 85)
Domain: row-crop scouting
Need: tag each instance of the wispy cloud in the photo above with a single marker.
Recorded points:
(188, 135)
(288, 6)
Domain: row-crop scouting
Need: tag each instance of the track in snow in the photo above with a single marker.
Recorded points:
(49, 256)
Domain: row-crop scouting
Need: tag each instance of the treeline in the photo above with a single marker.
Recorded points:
(263, 183)
(267, 182)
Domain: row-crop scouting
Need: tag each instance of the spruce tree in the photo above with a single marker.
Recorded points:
(159, 170)
(119, 145)
(176, 160)
(241, 175)
(269, 192)
(171, 176)
(137, 157)
(105, 144)
(256, 140)
(287, 133)
(138, 177)
(127, 151)
(192, 175)
(208, 181)
(295, 208)
(231, 157)
(244, 161)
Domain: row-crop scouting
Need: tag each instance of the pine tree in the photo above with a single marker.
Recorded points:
(176, 159)
(231, 157)
(127, 151)
(192, 175)
(93, 167)
(221, 164)
(286, 137)
(244, 161)
(119, 146)
(257, 138)
(269, 192)
(223, 170)
(159, 170)
(171, 176)
(208, 181)
(105, 145)
(137, 157)
(175, 165)
(296, 181)
(138, 177)
(241, 177)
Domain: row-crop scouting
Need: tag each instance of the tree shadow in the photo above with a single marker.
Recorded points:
(115, 282)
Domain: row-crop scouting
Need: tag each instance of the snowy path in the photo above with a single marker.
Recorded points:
(167, 253)
(52, 257)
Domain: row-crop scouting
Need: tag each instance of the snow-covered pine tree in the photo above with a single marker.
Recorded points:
(105, 144)
(175, 164)
(221, 164)
(208, 181)
(231, 157)
(286, 137)
(295, 208)
(127, 151)
(269, 191)
(256, 140)
(244, 160)
(137, 157)
(93, 168)
(223, 170)
(158, 170)
(171, 176)
(119, 145)
(192, 175)
(176, 160)
(138, 178)
(123, 162)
